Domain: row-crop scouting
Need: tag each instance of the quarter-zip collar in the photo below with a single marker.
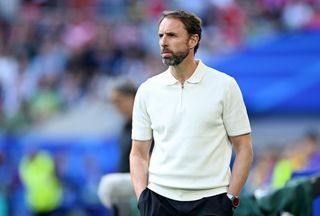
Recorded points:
(196, 77)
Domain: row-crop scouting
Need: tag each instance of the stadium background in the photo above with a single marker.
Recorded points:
(58, 59)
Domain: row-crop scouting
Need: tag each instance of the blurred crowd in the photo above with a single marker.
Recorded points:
(57, 178)
(275, 164)
(63, 181)
(55, 53)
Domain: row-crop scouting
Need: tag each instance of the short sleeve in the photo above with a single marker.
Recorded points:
(235, 115)
(141, 124)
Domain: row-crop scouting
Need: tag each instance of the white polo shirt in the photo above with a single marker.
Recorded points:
(190, 124)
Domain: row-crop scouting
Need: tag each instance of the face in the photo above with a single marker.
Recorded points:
(122, 103)
(174, 41)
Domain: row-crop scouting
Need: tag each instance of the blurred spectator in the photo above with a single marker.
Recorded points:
(70, 90)
(8, 9)
(297, 14)
(296, 158)
(47, 101)
(8, 77)
(115, 190)
(311, 147)
(261, 174)
(122, 97)
(231, 20)
(43, 190)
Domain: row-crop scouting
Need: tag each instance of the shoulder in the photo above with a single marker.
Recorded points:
(216, 76)
(154, 81)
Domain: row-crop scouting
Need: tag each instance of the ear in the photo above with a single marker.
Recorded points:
(193, 41)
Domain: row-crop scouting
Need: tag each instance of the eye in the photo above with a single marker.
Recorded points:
(160, 35)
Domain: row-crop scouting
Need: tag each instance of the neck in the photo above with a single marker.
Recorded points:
(184, 70)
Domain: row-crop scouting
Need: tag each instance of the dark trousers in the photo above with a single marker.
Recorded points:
(153, 204)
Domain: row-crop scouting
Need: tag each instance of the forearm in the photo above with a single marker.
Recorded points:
(139, 165)
(240, 172)
(241, 166)
(139, 174)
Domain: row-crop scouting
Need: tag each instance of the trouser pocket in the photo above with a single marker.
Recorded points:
(142, 198)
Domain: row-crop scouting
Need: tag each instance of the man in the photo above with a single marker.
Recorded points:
(195, 115)
(122, 97)
(303, 156)
(115, 190)
(37, 170)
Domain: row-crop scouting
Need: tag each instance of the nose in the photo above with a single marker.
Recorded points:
(163, 41)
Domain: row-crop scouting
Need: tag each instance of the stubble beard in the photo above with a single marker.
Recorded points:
(176, 58)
